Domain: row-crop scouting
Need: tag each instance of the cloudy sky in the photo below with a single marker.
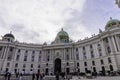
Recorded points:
(39, 21)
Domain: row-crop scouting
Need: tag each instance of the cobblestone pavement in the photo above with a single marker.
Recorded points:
(74, 78)
(13, 78)
(99, 78)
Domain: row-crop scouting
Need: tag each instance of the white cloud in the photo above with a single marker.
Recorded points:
(38, 19)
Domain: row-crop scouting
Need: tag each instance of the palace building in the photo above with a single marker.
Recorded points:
(100, 52)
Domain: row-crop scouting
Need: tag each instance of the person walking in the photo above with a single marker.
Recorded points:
(37, 76)
(20, 77)
(9, 75)
(57, 75)
(33, 76)
(17, 74)
(5, 76)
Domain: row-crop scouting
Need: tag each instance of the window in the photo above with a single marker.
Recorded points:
(83, 48)
(26, 51)
(100, 54)
(98, 44)
(23, 69)
(77, 64)
(92, 55)
(38, 66)
(85, 63)
(17, 57)
(76, 49)
(24, 65)
(31, 65)
(99, 50)
(19, 50)
(91, 46)
(106, 40)
(67, 50)
(46, 64)
(109, 60)
(77, 56)
(11, 49)
(40, 52)
(84, 57)
(67, 57)
(32, 59)
(48, 58)
(67, 64)
(8, 64)
(102, 62)
(25, 58)
(33, 52)
(84, 53)
(108, 49)
(16, 65)
(93, 62)
(9, 57)
(39, 59)
(25, 55)
(0, 48)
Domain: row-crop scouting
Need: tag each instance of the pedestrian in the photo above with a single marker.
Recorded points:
(37, 76)
(17, 74)
(33, 76)
(20, 77)
(9, 75)
(57, 75)
(5, 76)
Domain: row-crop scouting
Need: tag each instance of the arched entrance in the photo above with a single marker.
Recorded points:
(57, 65)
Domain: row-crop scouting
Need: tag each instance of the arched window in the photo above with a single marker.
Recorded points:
(111, 68)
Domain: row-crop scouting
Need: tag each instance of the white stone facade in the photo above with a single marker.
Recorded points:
(100, 52)
(118, 3)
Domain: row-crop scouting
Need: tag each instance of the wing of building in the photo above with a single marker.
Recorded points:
(118, 3)
(101, 52)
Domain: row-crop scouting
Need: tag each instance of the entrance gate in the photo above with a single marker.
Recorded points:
(57, 66)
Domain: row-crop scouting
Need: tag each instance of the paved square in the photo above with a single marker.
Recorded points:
(74, 78)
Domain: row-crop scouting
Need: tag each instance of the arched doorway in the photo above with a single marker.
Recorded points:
(57, 65)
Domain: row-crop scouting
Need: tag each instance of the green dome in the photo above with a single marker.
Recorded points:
(62, 34)
(62, 37)
(112, 22)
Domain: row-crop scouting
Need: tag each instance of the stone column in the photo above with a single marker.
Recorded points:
(110, 44)
(2, 52)
(113, 41)
(103, 48)
(64, 54)
(117, 42)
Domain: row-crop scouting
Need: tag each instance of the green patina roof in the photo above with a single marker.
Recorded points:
(111, 22)
(62, 34)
